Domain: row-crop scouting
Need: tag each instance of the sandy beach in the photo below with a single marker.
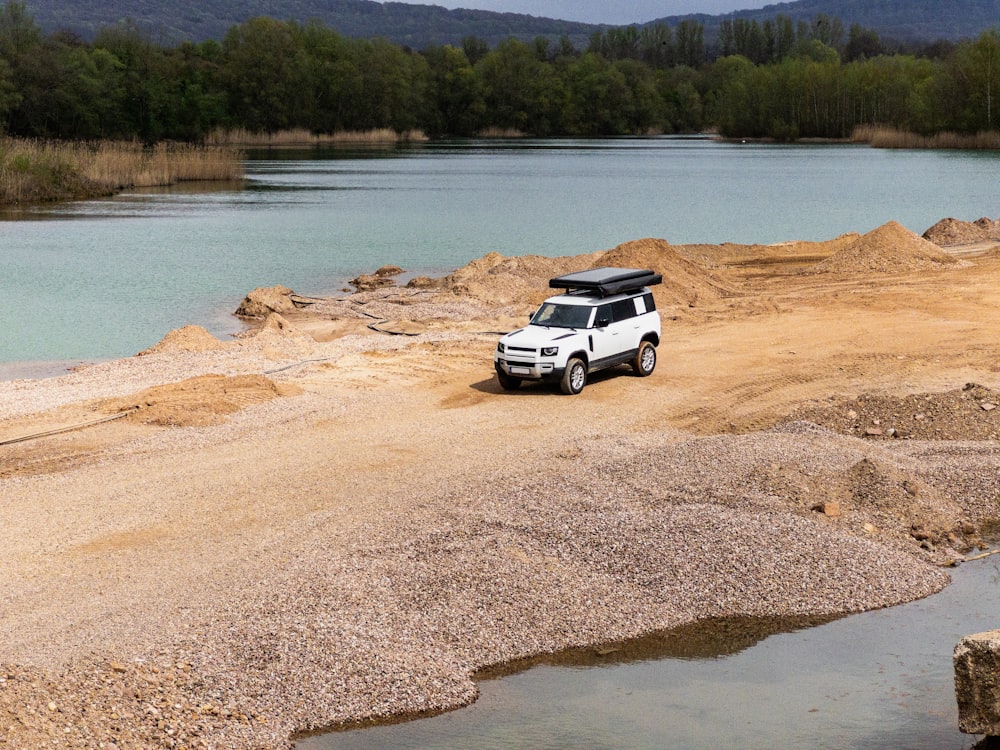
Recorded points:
(340, 517)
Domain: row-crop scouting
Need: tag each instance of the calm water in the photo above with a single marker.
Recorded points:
(875, 681)
(107, 278)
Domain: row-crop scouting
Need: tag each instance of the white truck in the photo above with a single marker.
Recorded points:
(604, 317)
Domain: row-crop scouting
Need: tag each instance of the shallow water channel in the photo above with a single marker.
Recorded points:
(874, 680)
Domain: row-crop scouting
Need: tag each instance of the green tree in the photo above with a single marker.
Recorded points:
(976, 72)
(600, 98)
(456, 104)
(690, 44)
(265, 75)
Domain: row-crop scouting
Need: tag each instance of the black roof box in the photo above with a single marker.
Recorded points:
(606, 281)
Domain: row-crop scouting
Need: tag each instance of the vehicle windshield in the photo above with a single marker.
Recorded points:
(562, 316)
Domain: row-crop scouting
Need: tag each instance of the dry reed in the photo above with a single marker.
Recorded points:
(36, 171)
(495, 132)
(884, 136)
(302, 137)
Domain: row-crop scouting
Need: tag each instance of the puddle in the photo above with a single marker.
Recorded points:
(880, 679)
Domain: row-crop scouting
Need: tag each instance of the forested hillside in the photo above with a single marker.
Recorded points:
(778, 79)
(899, 20)
(418, 26)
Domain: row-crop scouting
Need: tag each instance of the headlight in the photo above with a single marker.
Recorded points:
(501, 348)
(550, 351)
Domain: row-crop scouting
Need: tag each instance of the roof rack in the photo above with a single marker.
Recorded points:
(606, 281)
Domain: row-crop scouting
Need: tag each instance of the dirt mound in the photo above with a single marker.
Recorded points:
(892, 248)
(277, 338)
(498, 280)
(198, 401)
(730, 254)
(186, 339)
(955, 232)
(684, 281)
(264, 300)
(522, 281)
(972, 413)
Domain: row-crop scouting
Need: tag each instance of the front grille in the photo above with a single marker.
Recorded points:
(520, 349)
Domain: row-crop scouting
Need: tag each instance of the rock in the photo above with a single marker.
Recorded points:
(976, 661)
(262, 301)
(423, 282)
(873, 432)
(919, 533)
(987, 406)
(368, 282)
(829, 508)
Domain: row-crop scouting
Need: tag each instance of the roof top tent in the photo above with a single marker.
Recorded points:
(606, 281)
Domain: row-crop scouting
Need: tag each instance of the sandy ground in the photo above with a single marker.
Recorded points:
(321, 523)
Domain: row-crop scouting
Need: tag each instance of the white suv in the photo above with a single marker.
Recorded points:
(605, 317)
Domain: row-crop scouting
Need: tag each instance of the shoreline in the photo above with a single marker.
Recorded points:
(248, 556)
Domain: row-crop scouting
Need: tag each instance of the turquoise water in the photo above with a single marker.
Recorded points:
(875, 681)
(107, 278)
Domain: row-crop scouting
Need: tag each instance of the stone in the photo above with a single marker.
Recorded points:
(370, 282)
(264, 300)
(829, 508)
(976, 662)
(987, 406)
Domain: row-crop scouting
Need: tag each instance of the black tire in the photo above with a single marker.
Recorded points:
(508, 382)
(575, 377)
(645, 359)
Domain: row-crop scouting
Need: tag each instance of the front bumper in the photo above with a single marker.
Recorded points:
(527, 370)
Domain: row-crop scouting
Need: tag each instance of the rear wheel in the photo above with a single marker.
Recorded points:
(508, 382)
(575, 377)
(645, 359)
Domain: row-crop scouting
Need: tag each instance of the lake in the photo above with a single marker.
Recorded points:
(107, 278)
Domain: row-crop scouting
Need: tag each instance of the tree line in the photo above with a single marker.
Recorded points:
(774, 79)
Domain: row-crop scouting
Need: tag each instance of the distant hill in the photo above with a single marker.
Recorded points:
(902, 20)
(197, 20)
(418, 26)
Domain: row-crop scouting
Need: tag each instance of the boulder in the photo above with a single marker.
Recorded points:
(977, 683)
(263, 301)
(382, 277)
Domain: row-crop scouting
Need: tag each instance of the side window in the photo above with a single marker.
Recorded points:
(604, 316)
(622, 310)
(648, 300)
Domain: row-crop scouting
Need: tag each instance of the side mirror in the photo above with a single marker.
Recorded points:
(602, 323)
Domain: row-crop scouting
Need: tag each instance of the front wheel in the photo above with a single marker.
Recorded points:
(575, 377)
(508, 382)
(645, 359)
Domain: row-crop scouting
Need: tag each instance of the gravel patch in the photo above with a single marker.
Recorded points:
(302, 620)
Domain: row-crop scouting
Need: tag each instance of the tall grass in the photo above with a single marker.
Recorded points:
(497, 132)
(884, 136)
(37, 171)
(302, 137)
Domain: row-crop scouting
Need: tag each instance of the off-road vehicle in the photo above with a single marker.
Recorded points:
(605, 317)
